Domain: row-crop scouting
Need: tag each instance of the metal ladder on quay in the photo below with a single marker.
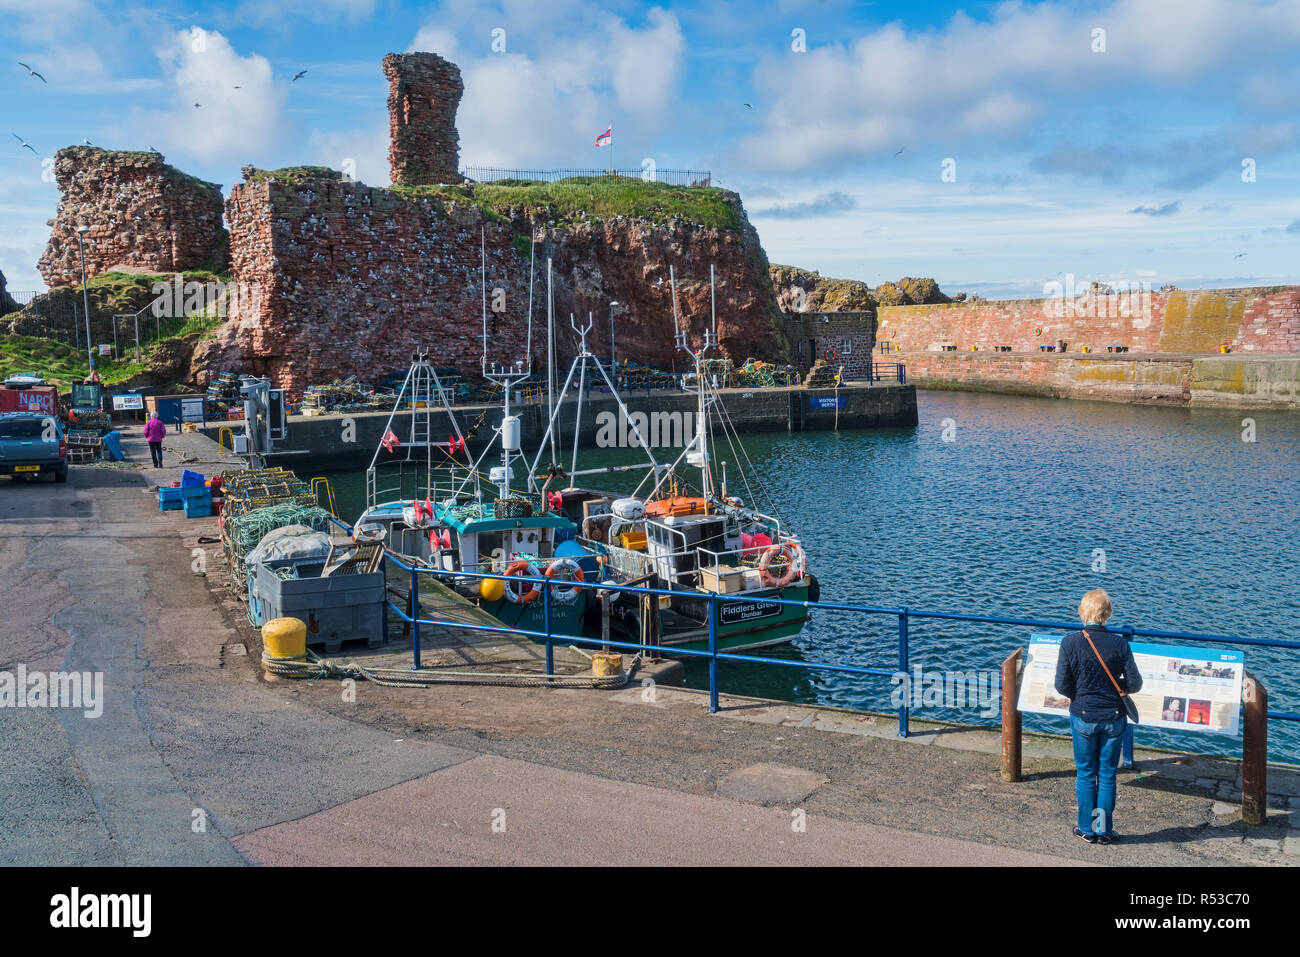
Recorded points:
(795, 415)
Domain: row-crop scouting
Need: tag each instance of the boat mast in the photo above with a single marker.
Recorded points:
(698, 455)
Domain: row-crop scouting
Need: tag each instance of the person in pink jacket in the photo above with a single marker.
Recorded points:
(154, 432)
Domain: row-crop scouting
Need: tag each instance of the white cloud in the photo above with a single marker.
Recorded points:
(563, 76)
(229, 124)
(889, 87)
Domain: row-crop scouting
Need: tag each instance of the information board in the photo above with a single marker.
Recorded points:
(192, 410)
(1184, 689)
(126, 403)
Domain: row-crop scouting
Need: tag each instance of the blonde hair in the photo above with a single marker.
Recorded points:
(1094, 606)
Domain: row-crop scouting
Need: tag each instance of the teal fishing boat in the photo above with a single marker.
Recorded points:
(695, 538)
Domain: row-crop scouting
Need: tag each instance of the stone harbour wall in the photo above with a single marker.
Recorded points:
(1262, 319)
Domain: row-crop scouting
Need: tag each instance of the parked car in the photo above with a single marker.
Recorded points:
(32, 445)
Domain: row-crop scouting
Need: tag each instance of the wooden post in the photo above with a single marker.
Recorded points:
(1254, 752)
(1011, 717)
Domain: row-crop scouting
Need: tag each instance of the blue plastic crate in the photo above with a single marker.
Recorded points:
(191, 492)
(169, 499)
(198, 507)
(189, 478)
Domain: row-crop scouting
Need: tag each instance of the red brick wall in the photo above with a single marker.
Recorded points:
(350, 279)
(353, 279)
(1265, 319)
(424, 91)
(141, 212)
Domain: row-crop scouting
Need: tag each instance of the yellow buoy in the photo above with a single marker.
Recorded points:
(604, 664)
(285, 638)
(491, 589)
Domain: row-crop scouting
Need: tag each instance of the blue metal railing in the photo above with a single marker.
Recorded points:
(411, 615)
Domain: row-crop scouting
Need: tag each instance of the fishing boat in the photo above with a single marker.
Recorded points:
(694, 538)
(434, 507)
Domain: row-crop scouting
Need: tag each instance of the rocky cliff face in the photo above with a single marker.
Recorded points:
(627, 260)
(352, 279)
(141, 213)
(7, 304)
(804, 290)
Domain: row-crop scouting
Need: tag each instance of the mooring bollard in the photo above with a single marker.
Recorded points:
(1011, 717)
(1254, 752)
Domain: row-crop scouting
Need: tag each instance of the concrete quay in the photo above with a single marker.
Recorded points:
(668, 423)
(197, 759)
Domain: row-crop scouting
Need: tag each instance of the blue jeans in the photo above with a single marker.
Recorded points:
(1096, 755)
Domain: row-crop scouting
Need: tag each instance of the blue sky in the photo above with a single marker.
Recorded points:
(995, 147)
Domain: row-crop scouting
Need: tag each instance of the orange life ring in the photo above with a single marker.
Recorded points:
(793, 556)
(829, 355)
(558, 592)
(513, 595)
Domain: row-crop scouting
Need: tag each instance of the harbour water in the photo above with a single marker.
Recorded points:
(1008, 506)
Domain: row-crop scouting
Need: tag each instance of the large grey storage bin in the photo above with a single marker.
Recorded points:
(336, 609)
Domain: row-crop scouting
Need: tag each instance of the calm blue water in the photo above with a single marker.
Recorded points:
(1197, 526)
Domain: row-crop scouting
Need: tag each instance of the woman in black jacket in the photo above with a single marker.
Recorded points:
(1097, 714)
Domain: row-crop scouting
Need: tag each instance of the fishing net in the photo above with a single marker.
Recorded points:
(242, 533)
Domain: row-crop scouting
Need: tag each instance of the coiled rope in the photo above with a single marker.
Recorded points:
(312, 666)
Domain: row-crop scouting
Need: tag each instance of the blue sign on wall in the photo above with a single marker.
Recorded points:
(826, 402)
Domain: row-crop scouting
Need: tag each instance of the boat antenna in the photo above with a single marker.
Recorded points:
(482, 258)
(713, 303)
(550, 351)
(532, 257)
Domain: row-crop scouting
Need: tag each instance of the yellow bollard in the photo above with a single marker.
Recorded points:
(285, 638)
(605, 664)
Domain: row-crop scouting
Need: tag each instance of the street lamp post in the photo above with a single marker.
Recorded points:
(613, 367)
(85, 296)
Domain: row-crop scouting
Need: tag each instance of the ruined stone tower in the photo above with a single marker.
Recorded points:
(423, 93)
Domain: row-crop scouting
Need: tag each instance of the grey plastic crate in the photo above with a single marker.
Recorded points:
(336, 609)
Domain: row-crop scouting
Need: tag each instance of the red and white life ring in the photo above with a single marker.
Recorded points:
(792, 555)
(830, 355)
(513, 593)
(560, 592)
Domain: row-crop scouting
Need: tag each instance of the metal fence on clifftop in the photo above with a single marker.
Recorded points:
(671, 177)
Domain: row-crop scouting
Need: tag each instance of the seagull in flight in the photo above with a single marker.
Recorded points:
(32, 72)
(298, 76)
(749, 106)
(197, 105)
(24, 144)
(900, 152)
(1238, 256)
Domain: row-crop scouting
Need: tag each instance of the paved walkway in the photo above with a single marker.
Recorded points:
(198, 760)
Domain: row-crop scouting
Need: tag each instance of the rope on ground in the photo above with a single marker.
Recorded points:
(314, 667)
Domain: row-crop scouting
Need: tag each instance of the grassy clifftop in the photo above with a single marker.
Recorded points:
(595, 197)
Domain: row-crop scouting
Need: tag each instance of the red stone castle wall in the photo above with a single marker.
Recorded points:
(141, 213)
(424, 91)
